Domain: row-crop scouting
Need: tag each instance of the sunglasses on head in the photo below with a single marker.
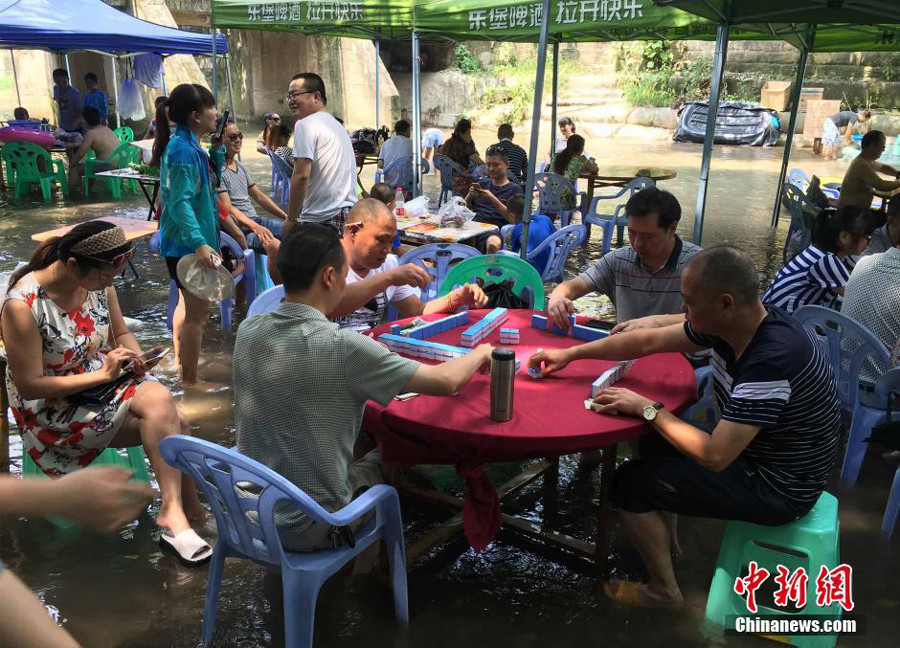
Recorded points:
(117, 262)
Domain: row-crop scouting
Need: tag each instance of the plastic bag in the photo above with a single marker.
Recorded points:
(417, 207)
(131, 105)
(454, 213)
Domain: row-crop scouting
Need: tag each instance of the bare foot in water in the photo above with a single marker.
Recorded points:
(641, 595)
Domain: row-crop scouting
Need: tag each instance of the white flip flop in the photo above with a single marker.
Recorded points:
(188, 547)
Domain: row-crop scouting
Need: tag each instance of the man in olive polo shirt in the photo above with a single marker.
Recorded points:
(301, 385)
(642, 279)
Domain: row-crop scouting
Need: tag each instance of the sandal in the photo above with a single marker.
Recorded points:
(188, 547)
(634, 595)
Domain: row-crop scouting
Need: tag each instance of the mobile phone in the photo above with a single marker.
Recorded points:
(154, 355)
(599, 324)
(221, 129)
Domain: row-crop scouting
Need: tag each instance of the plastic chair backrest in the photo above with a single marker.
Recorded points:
(226, 241)
(125, 134)
(496, 268)
(561, 244)
(446, 167)
(802, 214)
(124, 155)
(441, 255)
(551, 188)
(849, 347)
(23, 159)
(267, 301)
(242, 494)
(399, 173)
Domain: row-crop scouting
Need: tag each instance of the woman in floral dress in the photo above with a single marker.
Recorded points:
(64, 333)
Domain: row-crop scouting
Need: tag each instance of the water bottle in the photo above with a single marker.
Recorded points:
(399, 200)
(503, 373)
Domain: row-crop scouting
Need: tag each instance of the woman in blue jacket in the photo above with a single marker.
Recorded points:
(189, 222)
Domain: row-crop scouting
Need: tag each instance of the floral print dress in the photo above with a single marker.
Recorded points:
(59, 435)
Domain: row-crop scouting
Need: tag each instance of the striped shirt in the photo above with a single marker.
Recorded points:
(518, 159)
(809, 279)
(783, 384)
(633, 289)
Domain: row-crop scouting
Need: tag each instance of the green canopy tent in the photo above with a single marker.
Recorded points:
(811, 25)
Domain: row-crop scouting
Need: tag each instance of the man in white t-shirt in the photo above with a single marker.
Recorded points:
(399, 146)
(323, 184)
(375, 278)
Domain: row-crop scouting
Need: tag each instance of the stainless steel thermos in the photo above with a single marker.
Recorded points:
(503, 373)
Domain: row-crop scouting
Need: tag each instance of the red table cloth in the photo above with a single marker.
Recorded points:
(549, 416)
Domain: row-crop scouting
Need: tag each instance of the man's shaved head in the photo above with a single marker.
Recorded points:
(368, 210)
(725, 269)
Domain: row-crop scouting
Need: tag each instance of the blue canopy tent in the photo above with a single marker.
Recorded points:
(93, 25)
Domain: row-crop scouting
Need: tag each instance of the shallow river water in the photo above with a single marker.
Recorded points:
(122, 591)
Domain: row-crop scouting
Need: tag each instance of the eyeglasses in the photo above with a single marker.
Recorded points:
(291, 96)
(117, 262)
(234, 137)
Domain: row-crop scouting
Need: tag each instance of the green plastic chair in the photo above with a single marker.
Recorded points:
(133, 460)
(5, 152)
(123, 156)
(810, 542)
(22, 159)
(495, 268)
(125, 134)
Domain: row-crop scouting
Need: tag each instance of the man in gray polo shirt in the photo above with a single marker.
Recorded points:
(642, 279)
(301, 385)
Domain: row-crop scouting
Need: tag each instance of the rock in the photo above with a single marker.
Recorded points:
(646, 116)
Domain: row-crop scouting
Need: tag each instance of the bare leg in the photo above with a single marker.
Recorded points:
(650, 537)
(671, 521)
(153, 415)
(23, 620)
(196, 313)
(177, 326)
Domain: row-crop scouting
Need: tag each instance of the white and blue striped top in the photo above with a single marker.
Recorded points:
(783, 384)
(810, 278)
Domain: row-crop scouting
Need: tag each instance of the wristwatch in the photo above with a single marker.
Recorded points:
(651, 411)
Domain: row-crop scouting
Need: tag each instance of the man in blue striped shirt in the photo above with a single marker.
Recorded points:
(768, 458)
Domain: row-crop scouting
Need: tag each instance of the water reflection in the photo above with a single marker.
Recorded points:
(123, 591)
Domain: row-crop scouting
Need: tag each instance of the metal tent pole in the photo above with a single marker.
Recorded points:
(68, 68)
(230, 88)
(715, 92)
(417, 118)
(215, 68)
(553, 114)
(12, 57)
(115, 79)
(792, 124)
(377, 84)
(165, 87)
(535, 128)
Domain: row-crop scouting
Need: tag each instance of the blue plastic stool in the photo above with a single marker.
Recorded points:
(810, 542)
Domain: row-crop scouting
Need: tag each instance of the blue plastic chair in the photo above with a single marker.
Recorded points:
(608, 222)
(799, 234)
(283, 171)
(447, 167)
(266, 302)
(799, 179)
(399, 173)
(703, 413)
(439, 256)
(850, 348)
(888, 386)
(226, 306)
(276, 177)
(561, 244)
(551, 188)
(243, 495)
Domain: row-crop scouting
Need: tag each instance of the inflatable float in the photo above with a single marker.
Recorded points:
(13, 134)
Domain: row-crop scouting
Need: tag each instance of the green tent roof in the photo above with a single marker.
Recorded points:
(818, 12)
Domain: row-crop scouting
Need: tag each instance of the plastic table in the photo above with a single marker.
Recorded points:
(428, 230)
(144, 181)
(550, 420)
(619, 176)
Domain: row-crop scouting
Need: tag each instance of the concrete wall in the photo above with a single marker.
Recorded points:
(446, 96)
(33, 68)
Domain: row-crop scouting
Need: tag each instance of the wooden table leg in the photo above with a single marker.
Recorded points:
(601, 542)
